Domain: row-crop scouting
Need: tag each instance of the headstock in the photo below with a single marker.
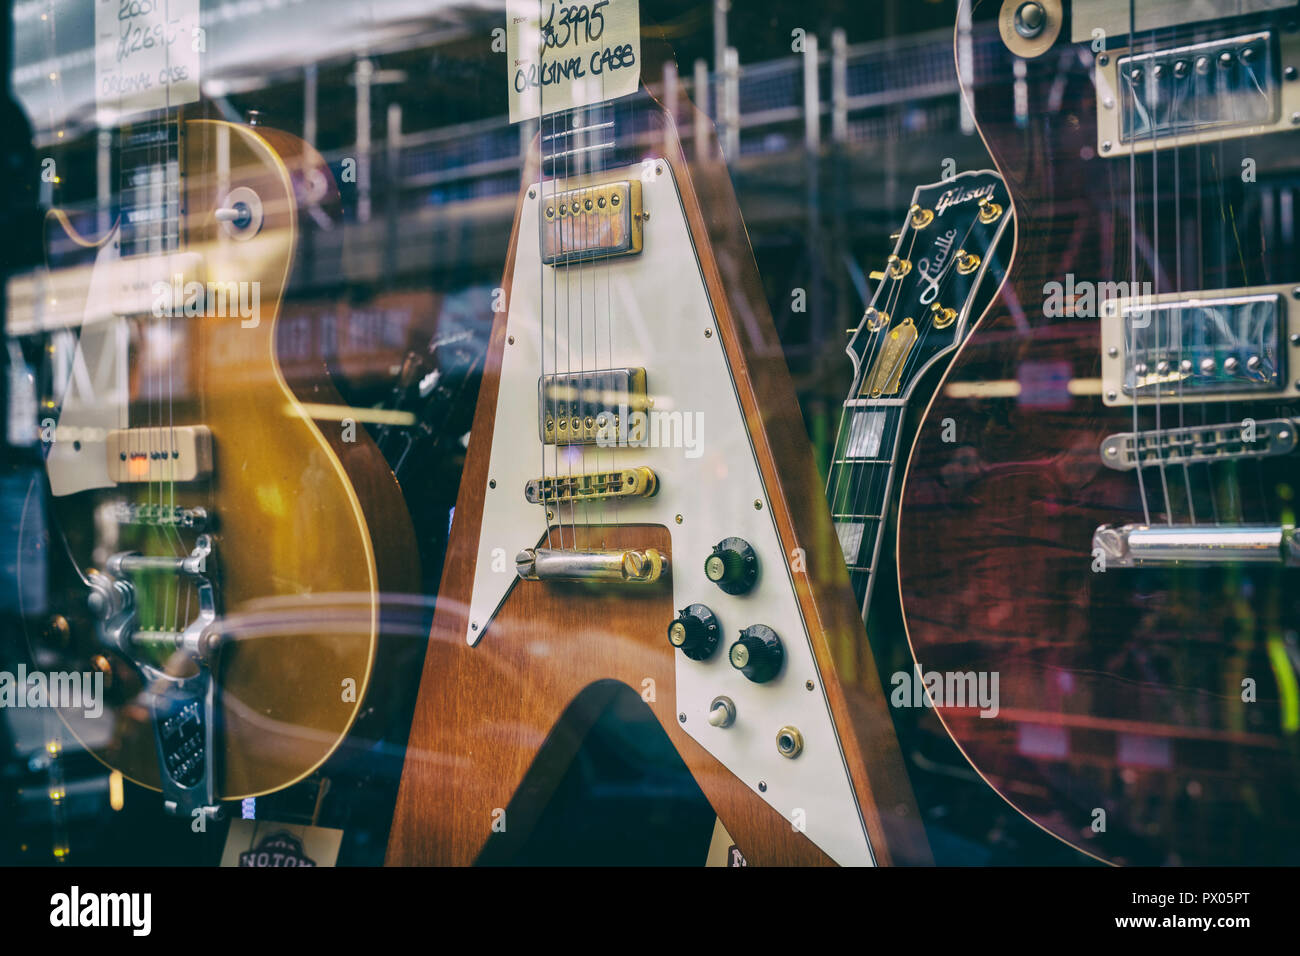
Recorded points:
(922, 303)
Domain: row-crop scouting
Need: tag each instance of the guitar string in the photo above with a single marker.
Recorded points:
(1154, 85)
(544, 395)
(1180, 289)
(570, 127)
(172, 176)
(1133, 260)
(545, 228)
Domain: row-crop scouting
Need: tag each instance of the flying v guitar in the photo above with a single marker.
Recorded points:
(634, 509)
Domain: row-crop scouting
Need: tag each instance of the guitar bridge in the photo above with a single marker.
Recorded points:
(592, 486)
(624, 566)
(1133, 546)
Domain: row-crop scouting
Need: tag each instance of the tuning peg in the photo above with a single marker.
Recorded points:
(967, 262)
(920, 217)
(942, 317)
(989, 211)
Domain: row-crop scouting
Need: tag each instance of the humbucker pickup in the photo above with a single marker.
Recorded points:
(1197, 93)
(139, 455)
(1230, 344)
(594, 222)
(592, 486)
(585, 408)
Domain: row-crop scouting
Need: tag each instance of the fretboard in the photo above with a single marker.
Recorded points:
(858, 486)
(149, 194)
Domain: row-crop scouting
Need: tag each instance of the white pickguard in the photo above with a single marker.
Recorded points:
(652, 311)
(97, 394)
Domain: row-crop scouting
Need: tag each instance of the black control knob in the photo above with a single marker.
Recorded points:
(695, 630)
(733, 565)
(758, 654)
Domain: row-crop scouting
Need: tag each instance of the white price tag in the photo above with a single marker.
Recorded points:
(146, 56)
(567, 54)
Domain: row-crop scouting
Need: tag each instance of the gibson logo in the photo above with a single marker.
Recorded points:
(955, 197)
(279, 849)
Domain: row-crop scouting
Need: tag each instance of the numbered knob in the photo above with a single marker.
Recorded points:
(758, 654)
(695, 630)
(733, 566)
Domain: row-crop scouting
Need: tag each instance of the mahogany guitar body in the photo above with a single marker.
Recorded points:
(516, 667)
(1146, 715)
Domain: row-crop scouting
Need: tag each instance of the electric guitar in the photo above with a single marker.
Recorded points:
(918, 316)
(1112, 533)
(228, 555)
(633, 512)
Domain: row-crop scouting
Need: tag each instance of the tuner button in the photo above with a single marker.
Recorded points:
(758, 654)
(733, 566)
(1030, 19)
(695, 631)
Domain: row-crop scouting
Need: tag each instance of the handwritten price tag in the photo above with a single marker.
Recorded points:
(567, 54)
(146, 56)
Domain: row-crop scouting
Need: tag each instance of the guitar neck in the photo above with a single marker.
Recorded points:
(149, 193)
(859, 483)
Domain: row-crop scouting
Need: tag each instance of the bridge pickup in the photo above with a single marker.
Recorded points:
(592, 486)
(1230, 344)
(138, 455)
(595, 222)
(551, 564)
(1132, 546)
(1197, 93)
(1200, 443)
(586, 408)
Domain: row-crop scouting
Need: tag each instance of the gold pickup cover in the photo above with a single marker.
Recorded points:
(594, 222)
(138, 455)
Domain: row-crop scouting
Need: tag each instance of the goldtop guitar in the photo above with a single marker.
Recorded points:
(227, 553)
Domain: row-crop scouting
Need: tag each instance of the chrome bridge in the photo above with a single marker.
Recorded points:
(621, 566)
(1197, 444)
(183, 708)
(1134, 546)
